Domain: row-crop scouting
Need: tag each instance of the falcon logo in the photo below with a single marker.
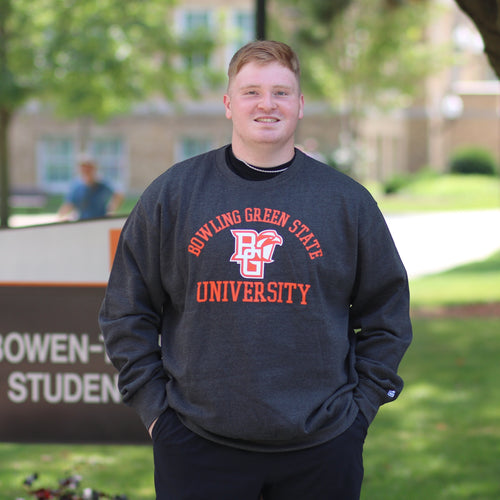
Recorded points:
(252, 250)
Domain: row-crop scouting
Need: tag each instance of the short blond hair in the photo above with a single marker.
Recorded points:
(264, 52)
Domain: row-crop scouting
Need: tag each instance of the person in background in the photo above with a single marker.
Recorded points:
(257, 309)
(89, 197)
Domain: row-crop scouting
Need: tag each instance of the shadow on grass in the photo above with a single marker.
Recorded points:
(441, 439)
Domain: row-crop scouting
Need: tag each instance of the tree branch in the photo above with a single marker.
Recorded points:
(485, 15)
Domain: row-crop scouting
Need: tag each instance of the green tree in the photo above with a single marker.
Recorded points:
(89, 59)
(361, 55)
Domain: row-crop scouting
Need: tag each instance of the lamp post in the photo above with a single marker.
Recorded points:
(260, 19)
(452, 108)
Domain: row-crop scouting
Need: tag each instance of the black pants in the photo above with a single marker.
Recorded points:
(189, 467)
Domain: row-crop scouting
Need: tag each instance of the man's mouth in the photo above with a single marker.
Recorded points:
(266, 120)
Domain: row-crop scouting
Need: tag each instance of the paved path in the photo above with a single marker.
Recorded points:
(32, 220)
(427, 243)
(434, 242)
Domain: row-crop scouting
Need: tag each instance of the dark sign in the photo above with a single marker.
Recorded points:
(56, 383)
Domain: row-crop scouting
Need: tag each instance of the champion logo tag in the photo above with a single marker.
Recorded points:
(391, 393)
(252, 250)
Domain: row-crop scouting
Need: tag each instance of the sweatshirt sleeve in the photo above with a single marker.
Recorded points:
(379, 315)
(130, 316)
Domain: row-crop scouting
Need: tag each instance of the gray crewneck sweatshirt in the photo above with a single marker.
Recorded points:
(281, 306)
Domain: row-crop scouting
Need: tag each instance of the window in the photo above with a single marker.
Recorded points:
(56, 160)
(244, 24)
(195, 20)
(241, 30)
(192, 146)
(110, 156)
(196, 28)
(203, 29)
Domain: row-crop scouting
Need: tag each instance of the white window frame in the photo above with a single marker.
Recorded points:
(113, 165)
(239, 34)
(47, 155)
(198, 145)
(182, 28)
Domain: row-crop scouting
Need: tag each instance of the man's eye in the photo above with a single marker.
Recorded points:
(282, 93)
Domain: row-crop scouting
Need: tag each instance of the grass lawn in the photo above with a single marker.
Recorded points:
(441, 193)
(477, 282)
(441, 439)
(115, 470)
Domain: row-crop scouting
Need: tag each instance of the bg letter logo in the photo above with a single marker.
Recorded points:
(252, 250)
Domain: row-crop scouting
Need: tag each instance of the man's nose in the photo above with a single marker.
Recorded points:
(267, 101)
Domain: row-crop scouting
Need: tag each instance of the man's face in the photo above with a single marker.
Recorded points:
(87, 173)
(265, 104)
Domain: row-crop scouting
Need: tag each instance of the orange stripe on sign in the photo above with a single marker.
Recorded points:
(114, 236)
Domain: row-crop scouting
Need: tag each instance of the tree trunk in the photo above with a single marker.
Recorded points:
(486, 17)
(5, 117)
(83, 135)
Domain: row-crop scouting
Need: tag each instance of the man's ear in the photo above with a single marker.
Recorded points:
(301, 110)
(227, 105)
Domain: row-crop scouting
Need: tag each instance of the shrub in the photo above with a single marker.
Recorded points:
(473, 160)
(396, 183)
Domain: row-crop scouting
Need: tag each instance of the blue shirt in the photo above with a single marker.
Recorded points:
(90, 201)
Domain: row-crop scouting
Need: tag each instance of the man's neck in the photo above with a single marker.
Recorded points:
(251, 173)
(265, 156)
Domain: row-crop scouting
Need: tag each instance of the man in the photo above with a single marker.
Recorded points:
(88, 196)
(279, 300)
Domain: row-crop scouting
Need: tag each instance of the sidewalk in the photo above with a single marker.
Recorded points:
(434, 242)
(32, 220)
